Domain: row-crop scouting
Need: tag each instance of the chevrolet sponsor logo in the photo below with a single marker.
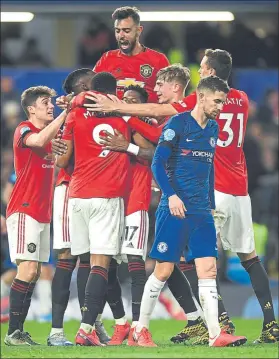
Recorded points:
(127, 82)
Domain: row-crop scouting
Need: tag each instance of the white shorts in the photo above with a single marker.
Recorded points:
(61, 232)
(233, 220)
(96, 225)
(135, 236)
(28, 239)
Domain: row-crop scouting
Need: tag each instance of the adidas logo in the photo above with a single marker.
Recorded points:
(268, 306)
(130, 245)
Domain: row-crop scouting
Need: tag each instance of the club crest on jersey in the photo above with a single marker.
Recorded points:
(24, 129)
(146, 70)
(31, 247)
(169, 134)
(162, 247)
(212, 142)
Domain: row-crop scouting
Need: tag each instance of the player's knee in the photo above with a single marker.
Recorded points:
(65, 254)
(29, 271)
(247, 256)
(206, 268)
(163, 271)
(134, 258)
(100, 260)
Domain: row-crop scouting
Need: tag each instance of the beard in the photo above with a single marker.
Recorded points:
(129, 48)
(210, 116)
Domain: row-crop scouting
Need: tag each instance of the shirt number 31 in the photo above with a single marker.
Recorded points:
(228, 117)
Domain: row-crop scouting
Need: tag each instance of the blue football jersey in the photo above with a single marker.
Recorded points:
(186, 150)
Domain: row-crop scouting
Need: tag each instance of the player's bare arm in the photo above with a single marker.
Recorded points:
(58, 146)
(104, 104)
(119, 143)
(42, 138)
(62, 161)
(146, 148)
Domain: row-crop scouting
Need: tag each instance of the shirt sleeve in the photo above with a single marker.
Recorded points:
(164, 61)
(187, 104)
(69, 127)
(78, 100)
(151, 133)
(100, 65)
(167, 141)
(21, 134)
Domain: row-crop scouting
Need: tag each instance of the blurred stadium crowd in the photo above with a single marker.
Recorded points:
(261, 142)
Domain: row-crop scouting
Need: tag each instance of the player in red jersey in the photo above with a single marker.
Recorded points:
(233, 215)
(76, 82)
(134, 246)
(29, 207)
(96, 209)
(132, 63)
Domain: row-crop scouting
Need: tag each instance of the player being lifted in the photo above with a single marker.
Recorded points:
(29, 207)
(132, 63)
(183, 168)
(231, 185)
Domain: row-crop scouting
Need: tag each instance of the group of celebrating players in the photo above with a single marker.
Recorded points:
(114, 138)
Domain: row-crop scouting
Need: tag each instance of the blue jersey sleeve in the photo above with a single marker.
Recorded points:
(167, 141)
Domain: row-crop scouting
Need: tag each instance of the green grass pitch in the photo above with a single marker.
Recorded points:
(162, 330)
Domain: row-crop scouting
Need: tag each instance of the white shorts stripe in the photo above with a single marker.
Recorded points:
(66, 233)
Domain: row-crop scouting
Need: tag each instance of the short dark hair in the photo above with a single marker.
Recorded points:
(175, 72)
(140, 90)
(126, 11)
(30, 96)
(220, 61)
(213, 83)
(104, 82)
(71, 80)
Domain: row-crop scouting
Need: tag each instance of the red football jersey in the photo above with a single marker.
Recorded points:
(140, 69)
(33, 191)
(139, 196)
(230, 163)
(97, 172)
(64, 175)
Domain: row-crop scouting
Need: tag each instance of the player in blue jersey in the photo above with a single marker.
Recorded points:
(183, 168)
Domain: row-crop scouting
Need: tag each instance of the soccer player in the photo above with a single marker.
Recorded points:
(183, 168)
(76, 82)
(137, 201)
(96, 209)
(132, 63)
(29, 208)
(231, 185)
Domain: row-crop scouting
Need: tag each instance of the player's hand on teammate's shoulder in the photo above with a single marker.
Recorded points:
(58, 146)
(101, 102)
(116, 142)
(176, 206)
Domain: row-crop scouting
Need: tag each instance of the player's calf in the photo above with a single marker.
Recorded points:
(21, 293)
(60, 296)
